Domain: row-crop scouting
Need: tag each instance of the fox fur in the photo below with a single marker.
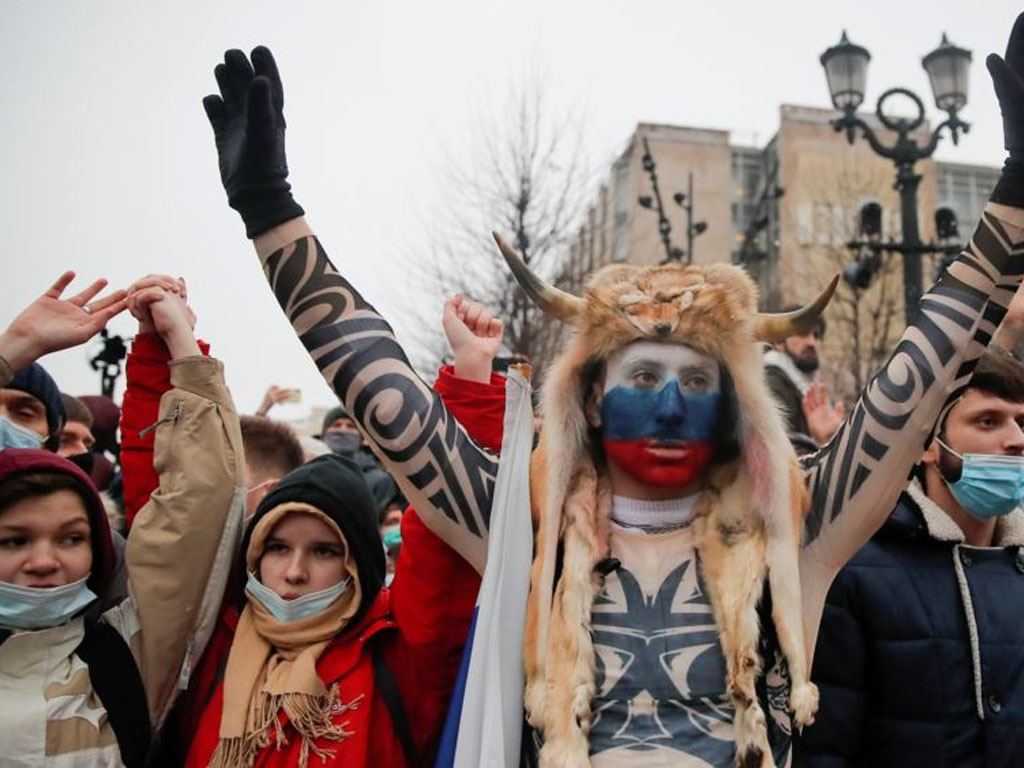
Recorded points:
(749, 517)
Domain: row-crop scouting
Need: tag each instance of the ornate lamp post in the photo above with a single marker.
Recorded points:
(846, 68)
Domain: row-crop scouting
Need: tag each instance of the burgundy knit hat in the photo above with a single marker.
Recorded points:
(21, 461)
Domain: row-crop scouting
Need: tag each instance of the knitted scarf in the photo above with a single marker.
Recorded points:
(272, 668)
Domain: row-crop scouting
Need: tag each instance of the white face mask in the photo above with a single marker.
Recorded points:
(14, 435)
(293, 610)
(42, 607)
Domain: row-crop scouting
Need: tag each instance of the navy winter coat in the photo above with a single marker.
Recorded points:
(920, 658)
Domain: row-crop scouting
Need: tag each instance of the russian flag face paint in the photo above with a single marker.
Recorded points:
(660, 412)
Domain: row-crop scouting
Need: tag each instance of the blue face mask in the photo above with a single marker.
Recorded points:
(16, 436)
(40, 608)
(293, 610)
(990, 485)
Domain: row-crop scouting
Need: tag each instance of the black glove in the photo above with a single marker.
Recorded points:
(248, 125)
(1008, 79)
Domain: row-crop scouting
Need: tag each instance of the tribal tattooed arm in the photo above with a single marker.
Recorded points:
(447, 477)
(856, 479)
(444, 474)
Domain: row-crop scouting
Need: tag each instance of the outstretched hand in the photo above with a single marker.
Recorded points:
(1008, 78)
(475, 336)
(823, 416)
(275, 395)
(51, 323)
(248, 127)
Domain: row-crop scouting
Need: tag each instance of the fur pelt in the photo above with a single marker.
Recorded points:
(749, 517)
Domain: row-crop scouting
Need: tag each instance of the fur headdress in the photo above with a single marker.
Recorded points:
(712, 309)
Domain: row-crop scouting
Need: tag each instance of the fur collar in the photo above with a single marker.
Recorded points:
(802, 381)
(941, 527)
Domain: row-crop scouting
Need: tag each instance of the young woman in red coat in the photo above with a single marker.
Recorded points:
(326, 662)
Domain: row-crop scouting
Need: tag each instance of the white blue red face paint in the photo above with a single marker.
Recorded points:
(660, 413)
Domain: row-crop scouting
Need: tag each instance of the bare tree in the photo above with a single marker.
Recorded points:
(524, 174)
(864, 323)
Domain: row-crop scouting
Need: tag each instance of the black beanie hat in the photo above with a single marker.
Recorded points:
(337, 412)
(35, 381)
(335, 486)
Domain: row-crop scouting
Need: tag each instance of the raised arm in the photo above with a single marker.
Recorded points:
(185, 537)
(856, 479)
(443, 473)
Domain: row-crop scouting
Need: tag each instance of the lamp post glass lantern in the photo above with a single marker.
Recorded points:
(947, 69)
(845, 66)
(846, 69)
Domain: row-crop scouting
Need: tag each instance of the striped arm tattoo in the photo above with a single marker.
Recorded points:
(856, 479)
(447, 477)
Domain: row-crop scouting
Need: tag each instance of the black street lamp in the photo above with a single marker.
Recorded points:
(685, 201)
(846, 67)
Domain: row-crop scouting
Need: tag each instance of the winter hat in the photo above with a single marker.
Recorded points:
(15, 462)
(35, 381)
(105, 418)
(335, 486)
(337, 412)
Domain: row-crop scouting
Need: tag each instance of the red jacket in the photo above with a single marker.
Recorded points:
(148, 377)
(422, 623)
(423, 620)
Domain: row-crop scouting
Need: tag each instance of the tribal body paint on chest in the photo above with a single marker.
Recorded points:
(660, 412)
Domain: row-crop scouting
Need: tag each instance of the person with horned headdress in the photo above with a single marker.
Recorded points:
(682, 555)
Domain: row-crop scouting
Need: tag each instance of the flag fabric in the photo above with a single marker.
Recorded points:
(484, 724)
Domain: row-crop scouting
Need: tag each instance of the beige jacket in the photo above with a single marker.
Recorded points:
(178, 557)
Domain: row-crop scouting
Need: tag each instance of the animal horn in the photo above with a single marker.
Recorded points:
(551, 300)
(775, 327)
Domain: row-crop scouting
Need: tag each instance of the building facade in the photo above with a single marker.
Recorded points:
(785, 212)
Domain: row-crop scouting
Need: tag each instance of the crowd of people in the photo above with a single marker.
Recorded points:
(729, 568)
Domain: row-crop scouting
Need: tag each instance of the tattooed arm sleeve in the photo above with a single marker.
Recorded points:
(443, 473)
(856, 479)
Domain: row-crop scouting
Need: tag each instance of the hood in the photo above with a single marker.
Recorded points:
(335, 486)
(21, 461)
(105, 419)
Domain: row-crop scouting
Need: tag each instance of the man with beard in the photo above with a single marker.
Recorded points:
(791, 368)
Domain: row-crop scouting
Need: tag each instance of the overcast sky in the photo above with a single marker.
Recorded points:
(108, 164)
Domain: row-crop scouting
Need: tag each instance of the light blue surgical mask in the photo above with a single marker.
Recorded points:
(293, 610)
(990, 484)
(42, 607)
(14, 435)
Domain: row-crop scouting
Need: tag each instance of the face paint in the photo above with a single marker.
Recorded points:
(661, 438)
(660, 412)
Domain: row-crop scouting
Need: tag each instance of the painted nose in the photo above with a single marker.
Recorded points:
(671, 409)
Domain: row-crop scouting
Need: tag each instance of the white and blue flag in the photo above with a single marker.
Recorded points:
(485, 719)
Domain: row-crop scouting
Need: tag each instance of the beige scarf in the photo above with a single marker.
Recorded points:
(272, 667)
